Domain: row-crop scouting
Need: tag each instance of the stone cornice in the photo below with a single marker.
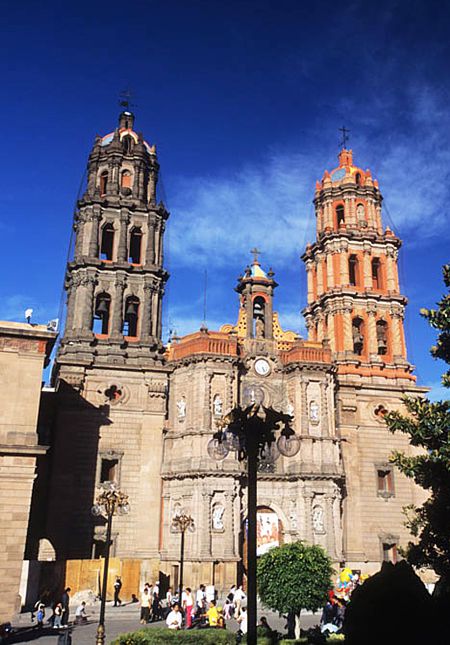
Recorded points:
(23, 451)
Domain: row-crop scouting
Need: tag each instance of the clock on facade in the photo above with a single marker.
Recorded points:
(262, 367)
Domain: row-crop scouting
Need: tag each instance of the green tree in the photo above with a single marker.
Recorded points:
(428, 426)
(293, 577)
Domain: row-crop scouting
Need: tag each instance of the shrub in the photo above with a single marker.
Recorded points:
(163, 636)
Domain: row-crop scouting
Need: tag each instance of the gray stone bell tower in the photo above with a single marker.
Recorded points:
(110, 372)
(115, 281)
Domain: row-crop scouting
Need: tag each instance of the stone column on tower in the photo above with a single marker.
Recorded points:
(94, 217)
(117, 319)
(80, 223)
(150, 251)
(146, 331)
(122, 247)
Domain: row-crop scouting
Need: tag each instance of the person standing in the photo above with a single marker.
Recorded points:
(188, 606)
(243, 621)
(117, 588)
(145, 606)
(200, 599)
(239, 597)
(57, 615)
(156, 606)
(40, 616)
(65, 600)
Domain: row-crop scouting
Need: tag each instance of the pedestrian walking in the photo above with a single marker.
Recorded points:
(65, 600)
(117, 588)
(57, 615)
(239, 598)
(145, 606)
(188, 606)
(40, 616)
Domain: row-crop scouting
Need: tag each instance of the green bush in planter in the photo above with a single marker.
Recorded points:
(164, 636)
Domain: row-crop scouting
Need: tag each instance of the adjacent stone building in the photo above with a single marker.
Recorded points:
(24, 350)
(131, 410)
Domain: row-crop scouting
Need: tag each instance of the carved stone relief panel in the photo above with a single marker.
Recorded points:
(314, 408)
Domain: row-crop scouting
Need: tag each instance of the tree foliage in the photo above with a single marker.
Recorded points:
(293, 577)
(428, 426)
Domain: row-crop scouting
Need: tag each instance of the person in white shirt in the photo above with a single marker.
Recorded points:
(188, 605)
(243, 620)
(239, 597)
(174, 619)
(80, 614)
(200, 599)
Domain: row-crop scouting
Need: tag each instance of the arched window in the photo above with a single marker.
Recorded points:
(125, 180)
(382, 345)
(353, 270)
(134, 256)
(127, 143)
(340, 216)
(358, 335)
(103, 182)
(107, 245)
(376, 273)
(258, 317)
(131, 317)
(100, 321)
(358, 178)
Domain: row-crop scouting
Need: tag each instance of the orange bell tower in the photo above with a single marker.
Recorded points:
(354, 299)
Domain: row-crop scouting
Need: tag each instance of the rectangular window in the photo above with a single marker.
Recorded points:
(390, 552)
(109, 470)
(385, 482)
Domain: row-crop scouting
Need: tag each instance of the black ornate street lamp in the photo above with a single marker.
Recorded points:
(109, 502)
(181, 523)
(259, 435)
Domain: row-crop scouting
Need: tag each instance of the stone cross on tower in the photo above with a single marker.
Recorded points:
(345, 136)
(255, 252)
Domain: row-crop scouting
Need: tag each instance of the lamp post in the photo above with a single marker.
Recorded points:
(109, 502)
(259, 435)
(181, 523)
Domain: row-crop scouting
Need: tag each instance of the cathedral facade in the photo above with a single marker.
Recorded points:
(131, 410)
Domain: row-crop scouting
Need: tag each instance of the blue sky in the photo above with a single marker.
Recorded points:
(244, 100)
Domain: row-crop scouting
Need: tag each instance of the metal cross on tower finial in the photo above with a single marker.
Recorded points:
(125, 96)
(255, 252)
(345, 136)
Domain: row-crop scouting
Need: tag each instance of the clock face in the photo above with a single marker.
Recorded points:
(262, 367)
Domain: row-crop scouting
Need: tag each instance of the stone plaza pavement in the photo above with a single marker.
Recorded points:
(119, 620)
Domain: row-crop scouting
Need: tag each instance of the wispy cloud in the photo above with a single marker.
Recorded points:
(268, 203)
(263, 204)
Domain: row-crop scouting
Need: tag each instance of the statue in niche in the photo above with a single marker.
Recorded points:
(290, 409)
(314, 412)
(218, 406)
(217, 517)
(181, 406)
(318, 520)
(259, 328)
(360, 213)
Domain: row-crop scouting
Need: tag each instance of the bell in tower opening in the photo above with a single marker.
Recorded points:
(258, 317)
